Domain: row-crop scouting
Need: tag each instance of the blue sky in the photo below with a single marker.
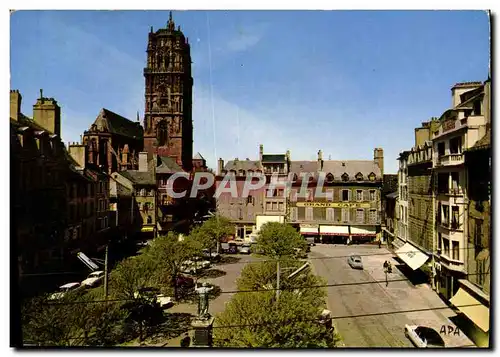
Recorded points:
(344, 82)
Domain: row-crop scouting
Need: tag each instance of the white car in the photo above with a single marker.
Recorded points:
(424, 337)
(94, 279)
(64, 289)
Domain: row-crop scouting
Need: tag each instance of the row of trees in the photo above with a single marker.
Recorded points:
(256, 317)
(84, 318)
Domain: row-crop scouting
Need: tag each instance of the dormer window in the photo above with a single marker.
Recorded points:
(359, 176)
(371, 176)
(329, 178)
(345, 177)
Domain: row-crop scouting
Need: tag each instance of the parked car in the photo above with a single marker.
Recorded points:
(355, 262)
(211, 255)
(94, 279)
(424, 337)
(152, 295)
(232, 248)
(245, 249)
(64, 289)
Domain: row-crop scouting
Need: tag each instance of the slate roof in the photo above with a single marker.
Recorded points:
(274, 158)
(111, 122)
(337, 168)
(139, 177)
(198, 157)
(167, 165)
(243, 165)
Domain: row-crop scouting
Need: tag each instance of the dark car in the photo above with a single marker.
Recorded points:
(424, 337)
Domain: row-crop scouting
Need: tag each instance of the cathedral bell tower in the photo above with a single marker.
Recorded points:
(168, 125)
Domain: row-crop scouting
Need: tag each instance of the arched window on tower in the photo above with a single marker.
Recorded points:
(162, 133)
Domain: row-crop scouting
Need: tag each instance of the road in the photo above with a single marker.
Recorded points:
(365, 292)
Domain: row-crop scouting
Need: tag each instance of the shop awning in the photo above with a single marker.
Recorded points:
(308, 230)
(147, 229)
(334, 230)
(472, 308)
(363, 231)
(412, 256)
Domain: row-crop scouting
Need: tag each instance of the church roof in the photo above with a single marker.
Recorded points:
(108, 121)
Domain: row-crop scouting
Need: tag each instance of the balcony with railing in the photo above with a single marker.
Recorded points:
(450, 160)
(450, 263)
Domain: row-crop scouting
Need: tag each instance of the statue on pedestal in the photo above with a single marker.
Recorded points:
(203, 303)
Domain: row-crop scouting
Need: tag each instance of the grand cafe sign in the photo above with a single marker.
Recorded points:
(334, 204)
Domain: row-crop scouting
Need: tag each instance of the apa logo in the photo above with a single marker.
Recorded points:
(448, 330)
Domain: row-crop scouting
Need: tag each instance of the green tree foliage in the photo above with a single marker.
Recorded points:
(215, 229)
(279, 240)
(258, 321)
(170, 253)
(289, 323)
(132, 274)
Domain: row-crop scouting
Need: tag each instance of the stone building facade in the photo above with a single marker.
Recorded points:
(168, 121)
(349, 208)
(46, 240)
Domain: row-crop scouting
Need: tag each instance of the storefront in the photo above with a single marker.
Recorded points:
(412, 256)
(309, 230)
(363, 233)
(334, 234)
(474, 308)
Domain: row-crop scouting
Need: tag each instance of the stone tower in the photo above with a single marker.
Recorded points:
(168, 126)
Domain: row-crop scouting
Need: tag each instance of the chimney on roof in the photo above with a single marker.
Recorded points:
(378, 158)
(47, 114)
(15, 104)
(143, 161)
(320, 160)
(220, 166)
(79, 153)
(261, 152)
